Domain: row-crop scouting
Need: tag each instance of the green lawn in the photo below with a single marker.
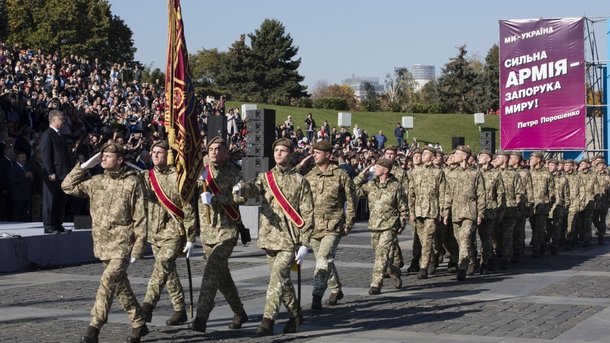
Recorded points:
(430, 128)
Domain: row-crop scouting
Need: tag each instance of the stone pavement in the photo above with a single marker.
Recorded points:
(563, 298)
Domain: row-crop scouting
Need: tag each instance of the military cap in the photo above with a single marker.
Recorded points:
(504, 153)
(538, 154)
(486, 152)
(283, 142)
(569, 161)
(586, 160)
(217, 140)
(598, 157)
(429, 148)
(416, 151)
(517, 153)
(163, 144)
(385, 162)
(114, 148)
(553, 160)
(322, 145)
(392, 147)
(464, 148)
(439, 151)
(561, 161)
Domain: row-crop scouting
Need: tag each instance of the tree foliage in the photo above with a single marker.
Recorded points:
(487, 83)
(207, 65)
(344, 92)
(457, 84)
(399, 91)
(82, 27)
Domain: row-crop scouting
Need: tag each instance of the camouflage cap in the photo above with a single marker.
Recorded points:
(429, 148)
(553, 161)
(569, 161)
(516, 153)
(486, 152)
(416, 151)
(464, 148)
(440, 152)
(163, 144)
(114, 148)
(504, 153)
(392, 147)
(586, 160)
(538, 154)
(283, 142)
(217, 140)
(385, 162)
(323, 145)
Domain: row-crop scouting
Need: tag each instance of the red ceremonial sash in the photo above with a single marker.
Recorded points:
(230, 210)
(294, 216)
(163, 198)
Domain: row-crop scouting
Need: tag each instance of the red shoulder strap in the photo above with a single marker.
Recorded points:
(230, 210)
(294, 216)
(163, 198)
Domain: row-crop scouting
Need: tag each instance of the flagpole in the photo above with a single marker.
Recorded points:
(169, 86)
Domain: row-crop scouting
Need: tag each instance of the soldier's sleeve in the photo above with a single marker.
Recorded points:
(189, 220)
(566, 194)
(253, 188)
(445, 199)
(139, 219)
(360, 184)
(411, 196)
(306, 212)
(519, 192)
(403, 207)
(481, 195)
(553, 190)
(500, 190)
(77, 183)
(350, 200)
(529, 190)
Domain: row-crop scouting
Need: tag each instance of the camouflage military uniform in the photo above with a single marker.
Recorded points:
(465, 199)
(402, 177)
(279, 237)
(601, 203)
(218, 237)
(118, 217)
(576, 205)
(388, 214)
(542, 197)
(426, 198)
(445, 242)
(494, 187)
(166, 236)
(332, 190)
(512, 197)
(557, 214)
(416, 249)
(589, 182)
(523, 211)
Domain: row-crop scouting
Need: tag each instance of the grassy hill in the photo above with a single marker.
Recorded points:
(428, 128)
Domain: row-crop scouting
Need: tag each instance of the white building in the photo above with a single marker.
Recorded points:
(422, 74)
(357, 84)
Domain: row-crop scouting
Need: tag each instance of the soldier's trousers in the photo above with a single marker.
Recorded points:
(485, 232)
(114, 281)
(217, 277)
(444, 242)
(416, 252)
(165, 274)
(538, 222)
(280, 289)
(586, 220)
(463, 231)
(383, 243)
(572, 226)
(325, 274)
(519, 235)
(503, 234)
(553, 227)
(599, 219)
(425, 228)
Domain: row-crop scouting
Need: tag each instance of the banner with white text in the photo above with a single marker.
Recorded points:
(542, 84)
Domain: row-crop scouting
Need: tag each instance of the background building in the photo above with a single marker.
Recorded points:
(422, 74)
(357, 84)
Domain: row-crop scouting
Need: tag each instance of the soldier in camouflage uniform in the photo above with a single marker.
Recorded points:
(401, 175)
(426, 198)
(333, 191)
(446, 231)
(494, 186)
(525, 208)
(388, 216)
(416, 250)
(465, 200)
(558, 210)
(279, 234)
(576, 201)
(218, 235)
(601, 202)
(543, 196)
(118, 214)
(167, 235)
(589, 182)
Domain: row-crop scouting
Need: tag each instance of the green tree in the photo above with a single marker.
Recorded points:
(3, 21)
(487, 84)
(238, 73)
(276, 69)
(456, 84)
(82, 27)
(371, 100)
(346, 92)
(206, 66)
(399, 90)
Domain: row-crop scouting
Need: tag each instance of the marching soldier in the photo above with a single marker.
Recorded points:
(333, 190)
(601, 204)
(524, 209)
(416, 250)
(495, 199)
(400, 174)
(219, 217)
(589, 182)
(286, 223)
(388, 208)
(576, 200)
(118, 213)
(542, 197)
(465, 200)
(558, 210)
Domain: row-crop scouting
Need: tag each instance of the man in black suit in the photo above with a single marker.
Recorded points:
(55, 166)
(21, 189)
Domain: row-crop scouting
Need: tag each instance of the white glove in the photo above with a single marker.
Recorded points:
(187, 249)
(237, 189)
(132, 259)
(92, 162)
(204, 174)
(206, 198)
(300, 254)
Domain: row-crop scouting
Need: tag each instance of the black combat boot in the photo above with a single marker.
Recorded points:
(316, 302)
(396, 281)
(238, 320)
(147, 310)
(452, 267)
(199, 324)
(600, 240)
(137, 334)
(374, 291)
(484, 269)
(178, 318)
(90, 335)
(334, 297)
(293, 324)
(423, 274)
(266, 327)
(461, 275)
(470, 270)
(414, 267)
